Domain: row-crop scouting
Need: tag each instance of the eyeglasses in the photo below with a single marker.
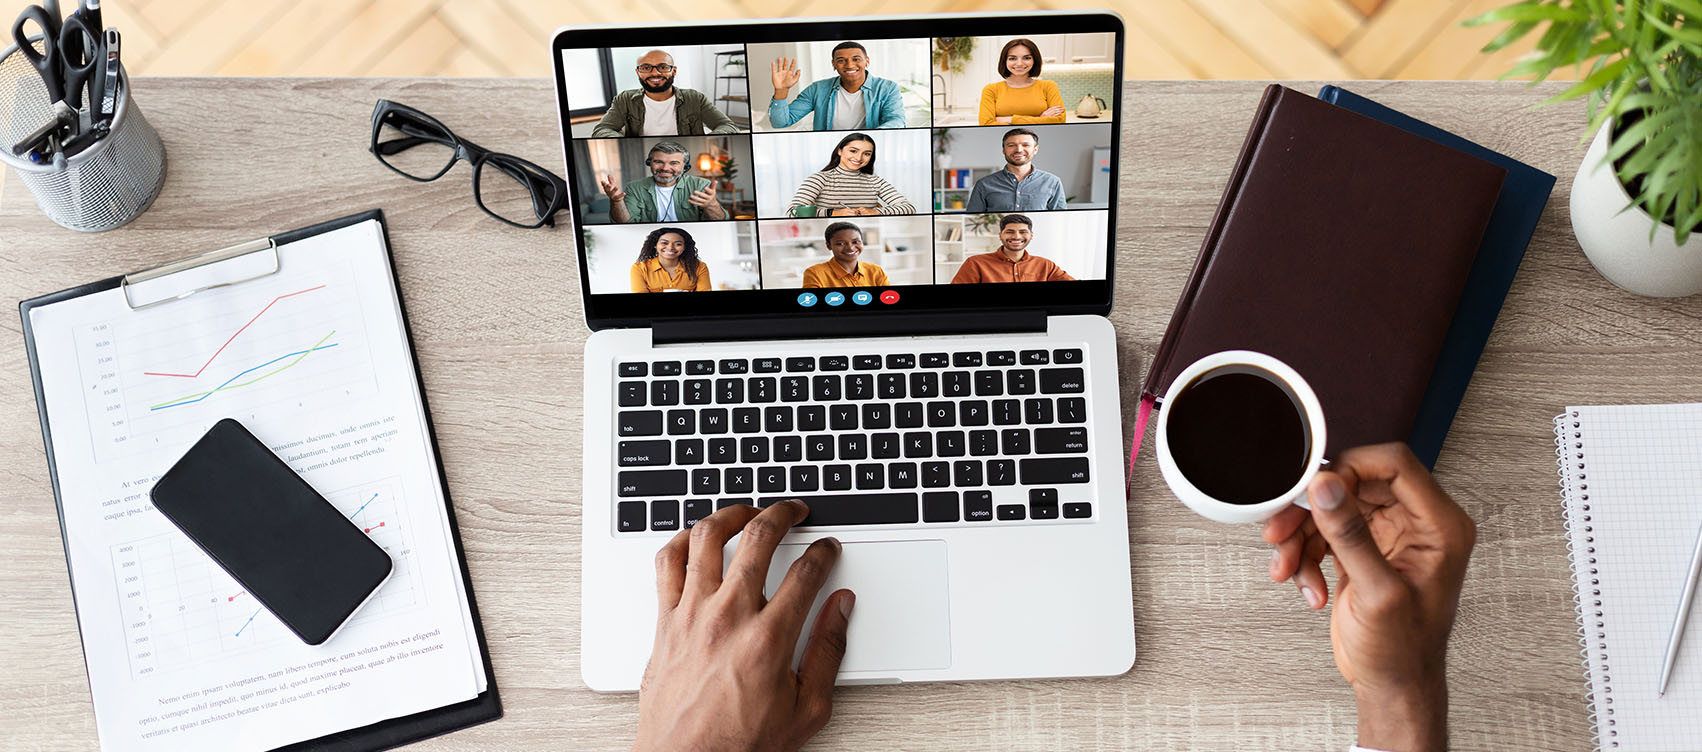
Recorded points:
(662, 69)
(419, 147)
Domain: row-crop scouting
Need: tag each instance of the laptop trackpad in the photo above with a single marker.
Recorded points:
(902, 620)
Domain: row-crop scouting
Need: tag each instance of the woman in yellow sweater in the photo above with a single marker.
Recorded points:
(668, 263)
(1021, 97)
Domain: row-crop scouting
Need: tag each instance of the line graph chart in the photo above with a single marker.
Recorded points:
(233, 336)
(181, 610)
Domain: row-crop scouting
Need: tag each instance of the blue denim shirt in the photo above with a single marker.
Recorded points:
(1002, 192)
(882, 100)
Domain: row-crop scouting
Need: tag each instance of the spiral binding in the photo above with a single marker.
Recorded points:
(1580, 550)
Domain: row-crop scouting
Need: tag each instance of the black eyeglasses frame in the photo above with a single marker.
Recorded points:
(548, 191)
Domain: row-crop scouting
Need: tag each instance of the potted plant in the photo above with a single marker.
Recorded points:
(1637, 198)
(952, 54)
(942, 148)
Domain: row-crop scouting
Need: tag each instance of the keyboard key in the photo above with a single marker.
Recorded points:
(697, 509)
(766, 365)
(866, 362)
(795, 389)
(1011, 511)
(639, 453)
(812, 418)
(900, 361)
(1066, 357)
(1060, 440)
(918, 444)
(1001, 472)
(723, 451)
(1042, 494)
(1014, 441)
(1001, 358)
(890, 386)
(818, 448)
(668, 368)
(628, 370)
(797, 365)
(983, 443)
(700, 367)
(1043, 510)
(884, 446)
(924, 384)
(712, 421)
(738, 480)
(871, 477)
(1019, 381)
(764, 389)
(747, 419)
(698, 392)
(935, 360)
(955, 384)
(729, 391)
(972, 413)
(753, 450)
(977, 506)
(853, 446)
(907, 415)
(835, 478)
(771, 480)
(1056, 380)
(665, 515)
(1072, 410)
(966, 359)
(901, 475)
(735, 366)
(936, 474)
(805, 478)
(777, 419)
(651, 482)
(857, 509)
(682, 422)
(721, 504)
(835, 363)
(788, 449)
(665, 392)
(942, 414)
(639, 423)
(989, 383)
(1035, 358)
(859, 386)
(1037, 412)
(827, 388)
(688, 451)
(966, 473)
(706, 480)
(877, 415)
(1055, 471)
(1007, 412)
(631, 394)
(939, 506)
(1077, 510)
(629, 515)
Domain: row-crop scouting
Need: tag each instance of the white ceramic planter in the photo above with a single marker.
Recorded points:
(1616, 239)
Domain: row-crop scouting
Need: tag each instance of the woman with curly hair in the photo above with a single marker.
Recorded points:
(668, 263)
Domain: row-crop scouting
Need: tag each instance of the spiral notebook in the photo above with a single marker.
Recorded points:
(1631, 476)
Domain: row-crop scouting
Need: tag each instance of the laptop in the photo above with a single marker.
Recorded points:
(865, 263)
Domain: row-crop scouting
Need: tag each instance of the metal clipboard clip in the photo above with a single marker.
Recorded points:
(180, 279)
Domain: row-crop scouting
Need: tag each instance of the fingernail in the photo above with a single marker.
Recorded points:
(837, 546)
(846, 603)
(1326, 492)
(1312, 597)
(1276, 556)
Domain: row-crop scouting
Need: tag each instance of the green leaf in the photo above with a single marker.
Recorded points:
(1593, 82)
(1529, 11)
(1509, 36)
(1687, 35)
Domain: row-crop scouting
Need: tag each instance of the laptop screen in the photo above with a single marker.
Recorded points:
(843, 167)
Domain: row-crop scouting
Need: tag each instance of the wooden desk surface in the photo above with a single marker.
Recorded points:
(1227, 660)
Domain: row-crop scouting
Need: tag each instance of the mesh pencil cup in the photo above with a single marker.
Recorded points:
(101, 187)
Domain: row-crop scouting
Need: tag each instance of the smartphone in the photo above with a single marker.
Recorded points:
(279, 539)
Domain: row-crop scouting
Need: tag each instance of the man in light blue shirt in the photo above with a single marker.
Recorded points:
(1020, 186)
(853, 100)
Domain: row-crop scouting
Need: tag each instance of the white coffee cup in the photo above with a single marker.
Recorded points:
(1242, 361)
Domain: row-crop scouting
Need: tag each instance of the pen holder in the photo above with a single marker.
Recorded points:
(105, 185)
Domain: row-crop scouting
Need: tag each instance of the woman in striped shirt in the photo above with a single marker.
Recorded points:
(847, 186)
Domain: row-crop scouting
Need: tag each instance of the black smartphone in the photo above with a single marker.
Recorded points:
(277, 537)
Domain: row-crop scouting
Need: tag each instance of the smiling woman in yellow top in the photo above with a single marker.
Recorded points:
(845, 242)
(668, 263)
(1021, 97)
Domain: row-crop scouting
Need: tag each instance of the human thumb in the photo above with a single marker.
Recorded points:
(1336, 512)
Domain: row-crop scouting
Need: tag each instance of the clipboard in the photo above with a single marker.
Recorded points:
(487, 706)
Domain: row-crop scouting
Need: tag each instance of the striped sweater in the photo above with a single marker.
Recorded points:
(839, 188)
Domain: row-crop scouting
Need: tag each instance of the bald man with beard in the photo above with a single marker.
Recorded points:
(658, 108)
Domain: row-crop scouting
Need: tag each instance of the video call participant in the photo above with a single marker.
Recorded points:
(668, 263)
(848, 186)
(668, 195)
(1021, 97)
(845, 242)
(853, 99)
(1020, 186)
(659, 108)
(1011, 262)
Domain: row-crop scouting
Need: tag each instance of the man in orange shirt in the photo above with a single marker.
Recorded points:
(1011, 262)
(845, 242)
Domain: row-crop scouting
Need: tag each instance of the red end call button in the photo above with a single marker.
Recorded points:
(889, 296)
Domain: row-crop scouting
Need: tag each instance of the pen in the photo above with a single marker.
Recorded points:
(1683, 614)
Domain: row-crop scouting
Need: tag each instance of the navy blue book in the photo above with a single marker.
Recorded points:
(1520, 205)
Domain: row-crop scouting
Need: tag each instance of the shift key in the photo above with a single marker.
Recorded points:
(652, 482)
(1046, 472)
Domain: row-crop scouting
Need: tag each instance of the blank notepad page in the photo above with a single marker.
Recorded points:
(1632, 478)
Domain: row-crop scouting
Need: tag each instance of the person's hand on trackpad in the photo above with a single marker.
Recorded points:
(720, 674)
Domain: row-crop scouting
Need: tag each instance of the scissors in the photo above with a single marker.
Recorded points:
(66, 71)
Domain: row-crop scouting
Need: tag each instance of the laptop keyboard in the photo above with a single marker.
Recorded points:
(899, 439)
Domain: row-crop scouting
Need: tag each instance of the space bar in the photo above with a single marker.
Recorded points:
(856, 509)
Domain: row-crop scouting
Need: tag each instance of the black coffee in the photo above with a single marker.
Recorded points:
(1238, 437)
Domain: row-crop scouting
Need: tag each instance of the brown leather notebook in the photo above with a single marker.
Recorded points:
(1340, 247)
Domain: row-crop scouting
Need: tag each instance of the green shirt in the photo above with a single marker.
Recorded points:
(692, 110)
(641, 199)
